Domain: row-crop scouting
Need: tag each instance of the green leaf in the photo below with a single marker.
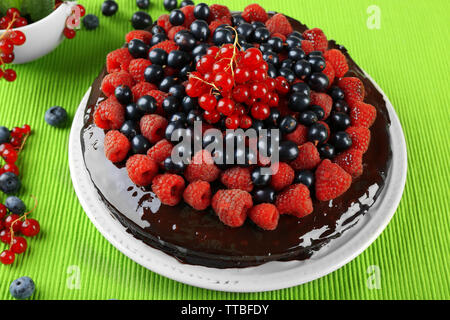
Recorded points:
(37, 9)
(6, 4)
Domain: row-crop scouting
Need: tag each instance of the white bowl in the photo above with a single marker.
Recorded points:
(269, 276)
(43, 36)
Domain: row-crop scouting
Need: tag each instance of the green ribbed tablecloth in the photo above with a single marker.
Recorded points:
(409, 58)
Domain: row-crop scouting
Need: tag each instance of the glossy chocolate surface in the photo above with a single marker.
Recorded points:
(200, 238)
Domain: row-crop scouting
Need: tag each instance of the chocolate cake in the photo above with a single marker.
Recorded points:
(199, 238)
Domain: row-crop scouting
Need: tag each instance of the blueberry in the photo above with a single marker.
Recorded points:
(167, 83)
(176, 17)
(237, 20)
(288, 74)
(317, 133)
(326, 151)
(264, 47)
(158, 56)
(9, 183)
(307, 117)
(174, 167)
(185, 3)
(22, 288)
(177, 91)
(188, 104)
(146, 105)
(177, 59)
(288, 124)
(261, 35)
(157, 29)
(200, 30)
(140, 144)
(202, 11)
(178, 116)
(341, 106)
(157, 38)
(130, 129)
(15, 205)
(91, 22)
(258, 24)
(294, 42)
(273, 119)
(171, 127)
(56, 116)
(185, 40)
(222, 36)
(123, 94)
(340, 120)
(341, 140)
(302, 69)
(169, 5)
(154, 73)
(263, 195)
(337, 93)
(296, 54)
(184, 72)
(317, 63)
(288, 151)
(298, 102)
(272, 71)
(200, 49)
(132, 112)
(276, 44)
(109, 8)
(138, 49)
(143, 4)
(170, 105)
(305, 177)
(302, 88)
(192, 116)
(141, 20)
(5, 135)
(287, 63)
(245, 31)
(271, 57)
(259, 179)
(318, 110)
(318, 81)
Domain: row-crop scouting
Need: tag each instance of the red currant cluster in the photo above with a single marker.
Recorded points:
(8, 40)
(73, 21)
(235, 83)
(10, 223)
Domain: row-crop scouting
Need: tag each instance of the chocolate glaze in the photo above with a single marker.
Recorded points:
(200, 238)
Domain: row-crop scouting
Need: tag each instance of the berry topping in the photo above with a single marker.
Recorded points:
(198, 195)
(141, 169)
(231, 206)
(116, 146)
(295, 200)
(237, 178)
(169, 188)
(331, 181)
(265, 216)
(283, 177)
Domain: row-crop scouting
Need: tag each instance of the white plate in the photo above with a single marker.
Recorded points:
(269, 276)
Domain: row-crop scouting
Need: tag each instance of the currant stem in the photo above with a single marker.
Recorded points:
(24, 216)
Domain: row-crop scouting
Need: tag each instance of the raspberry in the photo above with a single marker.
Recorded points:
(188, 15)
(323, 100)
(160, 151)
(362, 114)
(307, 46)
(317, 37)
(295, 200)
(214, 25)
(279, 35)
(353, 89)
(283, 177)
(137, 68)
(351, 161)
(237, 178)
(198, 195)
(254, 12)
(202, 167)
(116, 146)
(337, 59)
(168, 188)
(231, 206)
(109, 114)
(113, 80)
(329, 72)
(360, 137)
(167, 45)
(299, 135)
(118, 60)
(279, 24)
(142, 89)
(173, 31)
(308, 157)
(159, 97)
(219, 12)
(144, 36)
(265, 216)
(331, 181)
(163, 22)
(141, 169)
(153, 127)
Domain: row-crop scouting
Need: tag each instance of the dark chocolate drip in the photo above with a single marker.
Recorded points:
(200, 238)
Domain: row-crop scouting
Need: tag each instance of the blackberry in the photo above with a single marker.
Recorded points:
(340, 120)
(177, 91)
(288, 124)
(302, 88)
(317, 63)
(245, 31)
(293, 42)
(288, 74)
(318, 110)
(287, 63)
(170, 105)
(185, 3)
(337, 93)
(157, 38)
(273, 119)
(138, 49)
(276, 44)
(341, 106)
(237, 20)
(173, 167)
(157, 29)
(296, 54)
(188, 103)
(272, 57)
(222, 36)
(177, 59)
(302, 69)
(261, 35)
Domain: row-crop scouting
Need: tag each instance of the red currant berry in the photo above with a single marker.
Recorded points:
(26, 129)
(259, 75)
(264, 66)
(282, 85)
(241, 75)
(12, 13)
(219, 66)
(258, 90)
(10, 167)
(10, 156)
(10, 75)
(274, 100)
(7, 257)
(16, 132)
(20, 22)
(225, 106)
(17, 37)
(270, 83)
(5, 146)
(2, 211)
(241, 93)
(208, 76)
(240, 110)
(205, 64)
(207, 102)
(211, 116)
(12, 220)
(212, 51)
(15, 141)
(7, 58)
(232, 122)
(82, 10)
(6, 45)
(245, 122)
(5, 236)
(260, 111)
(19, 245)
(227, 51)
(69, 33)
(223, 81)
(30, 228)
(4, 22)
(252, 57)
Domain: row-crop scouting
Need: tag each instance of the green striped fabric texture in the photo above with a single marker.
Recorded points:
(407, 55)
